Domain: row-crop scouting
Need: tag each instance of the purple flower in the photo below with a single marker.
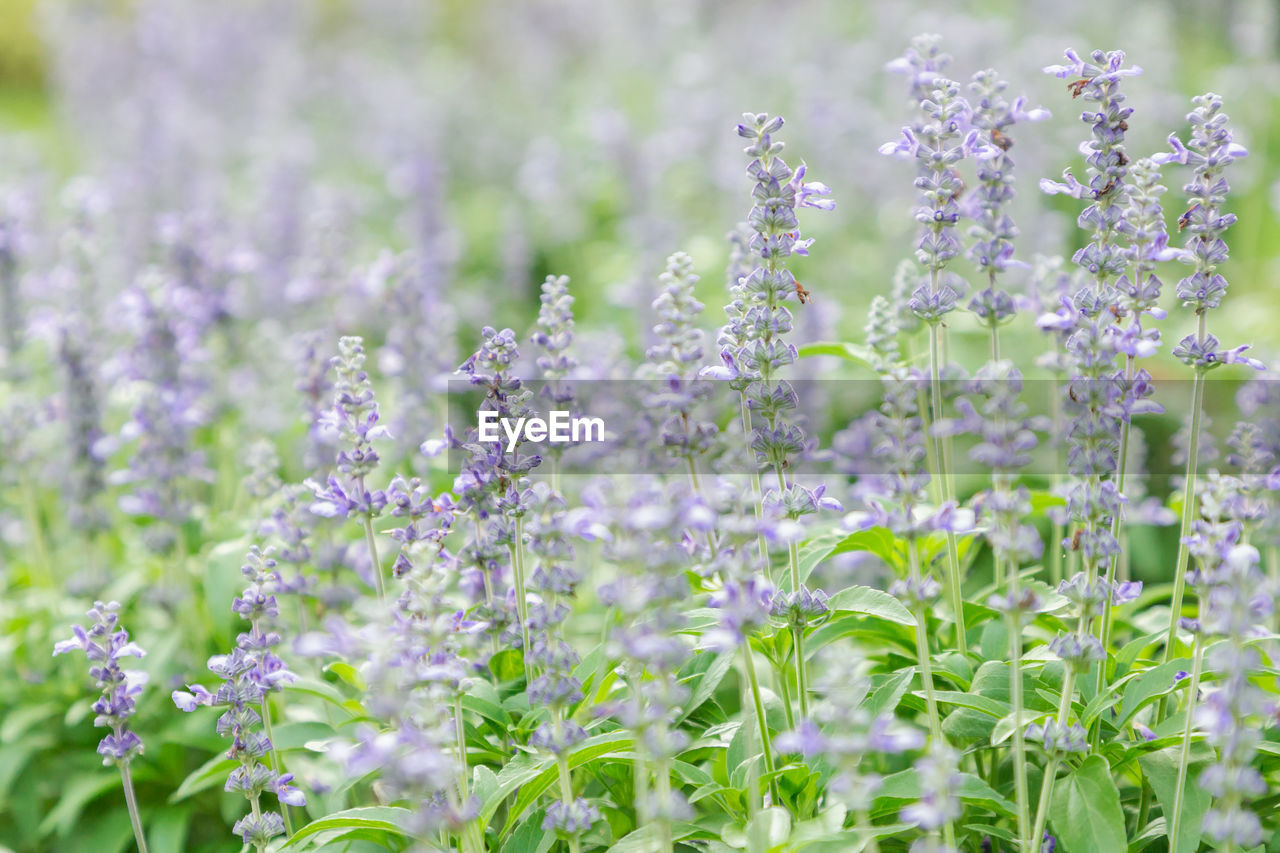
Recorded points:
(105, 643)
(249, 674)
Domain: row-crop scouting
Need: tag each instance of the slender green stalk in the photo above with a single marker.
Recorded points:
(471, 837)
(1059, 529)
(1015, 695)
(131, 800)
(931, 462)
(864, 820)
(1273, 572)
(944, 474)
(257, 817)
(566, 794)
(1188, 515)
(277, 765)
(783, 686)
(926, 670)
(522, 604)
(922, 649)
(797, 631)
(41, 574)
(1144, 807)
(1117, 533)
(995, 342)
(378, 582)
(663, 779)
(757, 489)
(757, 701)
(1184, 755)
(1051, 770)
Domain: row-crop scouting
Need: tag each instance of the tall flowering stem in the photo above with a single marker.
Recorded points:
(1212, 546)
(673, 361)
(105, 643)
(493, 484)
(555, 337)
(993, 228)
(1138, 293)
(760, 352)
(250, 673)
(354, 418)
(1210, 150)
(937, 144)
(1094, 397)
(896, 502)
(1006, 436)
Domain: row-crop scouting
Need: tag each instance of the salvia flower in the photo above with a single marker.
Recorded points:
(250, 673)
(993, 229)
(106, 644)
(937, 146)
(1210, 150)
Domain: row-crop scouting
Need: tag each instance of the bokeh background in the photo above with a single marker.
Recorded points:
(411, 171)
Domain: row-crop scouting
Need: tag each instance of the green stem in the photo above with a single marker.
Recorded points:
(1273, 572)
(766, 743)
(1015, 694)
(373, 555)
(797, 631)
(926, 671)
(277, 765)
(948, 493)
(995, 342)
(757, 489)
(1051, 770)
(1188, 515)
(1175, 820)
(922, 648)
(566, 794)
(1144, 807)
(1117, 533)
(131, 800)
(41, 574)
(864, 820)
(522, 605)
(663, 774)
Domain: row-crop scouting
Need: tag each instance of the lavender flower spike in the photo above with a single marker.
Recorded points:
(105, 643)
(249, 674)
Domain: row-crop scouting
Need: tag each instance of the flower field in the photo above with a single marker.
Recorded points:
(460, 427)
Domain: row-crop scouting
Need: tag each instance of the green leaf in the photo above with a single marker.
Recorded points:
(290, 737)
(976, 701)
(872, 602)
(76, 794)
(857, 353)
(1151, 684)
(491, 711)
(768, 829)
(532, 777)
(704, 683)
(323, 690)
(1161, 771)
(828, 544)
(23, 718)
(904, 786)
(15, 756)
(167, 831)
(1085, 809)
(886, 697)
(530, 837)
(212, 772)
(347, 673)
(389, 819)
